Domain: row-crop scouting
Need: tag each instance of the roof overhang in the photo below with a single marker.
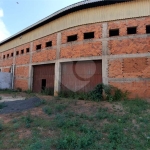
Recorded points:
(72, 8)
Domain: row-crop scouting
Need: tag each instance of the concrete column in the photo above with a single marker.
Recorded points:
(105, 51)
(30, 79)
(57, 81)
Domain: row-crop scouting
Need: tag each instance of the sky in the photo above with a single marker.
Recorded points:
(16, 15)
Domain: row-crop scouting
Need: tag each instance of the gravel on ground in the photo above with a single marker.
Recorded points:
(19, 105)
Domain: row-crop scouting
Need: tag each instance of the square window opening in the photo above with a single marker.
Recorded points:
(22, 51)
(12, 54)
(89, 35)
(38, 47)
(3, 56)
(113, 32)
(27, 50)
(7, 55)
(131, 30)
(148, 29)
(49, 44)
(72, 38)
(17, 53)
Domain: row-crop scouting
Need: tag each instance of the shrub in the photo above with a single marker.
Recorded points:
(41, 102)
(114, 94)
(28, 120)
(47, 110)
(2, 105)
(1, 126)
(97, 94)
(48, 91)
(28, 91)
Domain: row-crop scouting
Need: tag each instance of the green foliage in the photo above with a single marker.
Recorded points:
(74, 95)
(114, 94)
(115, 136)
(48, 91)
(0, 98)
(28, 91)
(2, 105)
(136, 106)
(60, 107)
(39, 144)
(28, 120)
(47, 110)
(41, 102)
(62, 121)
(18, 90)
(16, 125)
(96, 94)
(72, 140)
(103, 114)
(1, 126)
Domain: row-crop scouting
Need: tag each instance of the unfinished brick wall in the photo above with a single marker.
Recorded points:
(44, 55)
(21, 83)
(43, 41)
(96, 28)
(22, 72)
(81, 50)
(129, 46)
(130, 73)
(135, 88)
(140, 23)
(129, 68)
(128, 55)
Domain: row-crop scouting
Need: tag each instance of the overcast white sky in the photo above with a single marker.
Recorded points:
(16, 15)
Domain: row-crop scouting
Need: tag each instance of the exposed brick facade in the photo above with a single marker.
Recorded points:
(128, 55)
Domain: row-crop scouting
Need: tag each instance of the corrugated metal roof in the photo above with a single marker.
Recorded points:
(72, 8)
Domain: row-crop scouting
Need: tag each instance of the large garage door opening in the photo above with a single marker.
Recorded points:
(81, 76)
(43, 78)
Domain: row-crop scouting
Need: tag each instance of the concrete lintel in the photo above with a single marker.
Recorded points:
(128, 56)
(43, 63)
(104, 39)
(128, 79)
(80, 59)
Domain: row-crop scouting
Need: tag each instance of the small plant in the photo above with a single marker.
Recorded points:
(1, 126)
(28, 120)
(60, 107)
(48, 91)
(96, 94)
(0, 98)
(2, 105)
(41, 102)
(47, 110)
(18, 90)
(28, 91)
(16, 125)
(114, 94)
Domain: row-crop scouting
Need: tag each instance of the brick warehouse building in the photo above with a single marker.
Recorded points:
(82, 45)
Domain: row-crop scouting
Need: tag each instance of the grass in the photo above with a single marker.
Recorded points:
(80, 125)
